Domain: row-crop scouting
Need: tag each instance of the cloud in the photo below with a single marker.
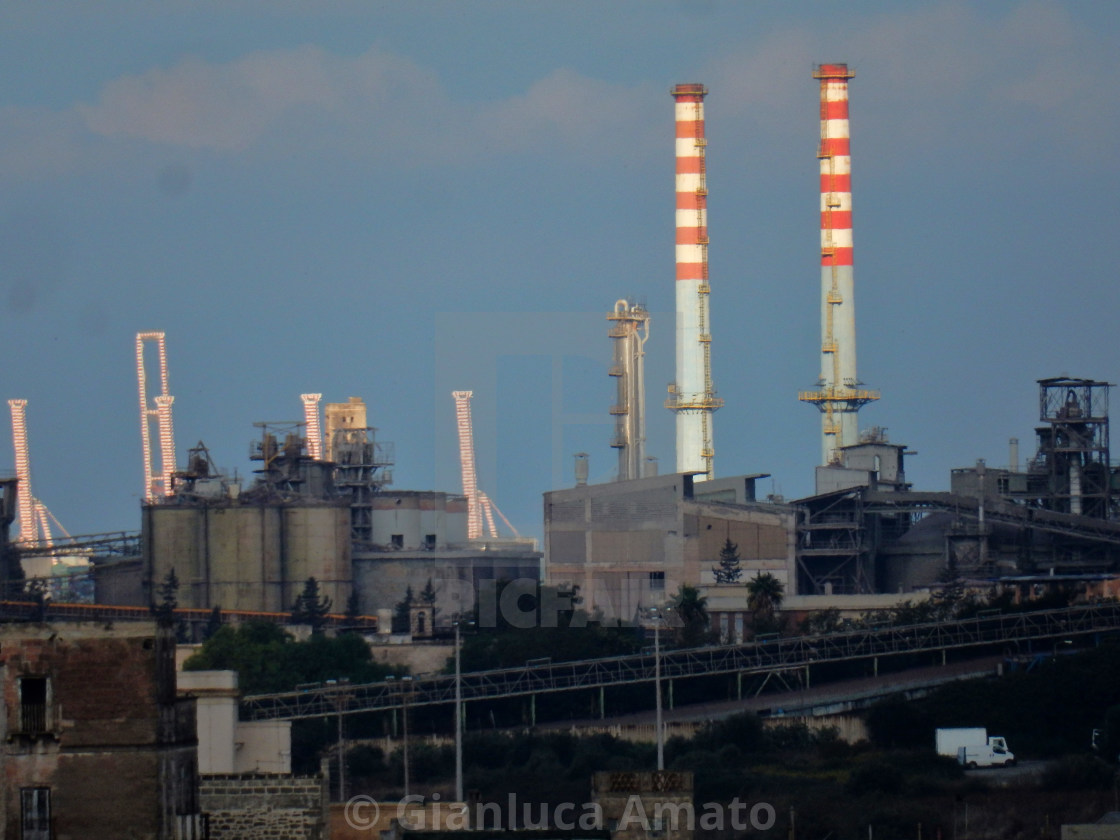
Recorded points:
(933, 80)
(375, 102)
(988, 81)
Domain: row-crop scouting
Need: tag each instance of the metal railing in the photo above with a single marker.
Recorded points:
(780, 654)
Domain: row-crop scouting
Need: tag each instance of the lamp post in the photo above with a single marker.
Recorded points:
(406, 688)
(458, 720)
(655, 615)
(340, 703)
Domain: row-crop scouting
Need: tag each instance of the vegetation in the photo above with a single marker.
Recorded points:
(832, 789)
(729, 569)
(691, 610)
(268, 659)
(1048, 708)
(310, 608)
(402, 613)
(764, 596)
(559, 631)
(167, 592)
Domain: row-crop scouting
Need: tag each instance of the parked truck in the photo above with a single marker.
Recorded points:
(972, 747)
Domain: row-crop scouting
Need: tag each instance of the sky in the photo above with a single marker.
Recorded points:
(394, 200)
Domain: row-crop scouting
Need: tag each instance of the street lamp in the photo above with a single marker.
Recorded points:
(406, 689)
(340, 702)
(656, 617)
(458, 720)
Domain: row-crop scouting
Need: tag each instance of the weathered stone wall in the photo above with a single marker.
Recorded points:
(102, 736)
(265, 807)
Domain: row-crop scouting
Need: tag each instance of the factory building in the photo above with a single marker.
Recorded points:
(421, 536)
(628, 545)
(1055, 517)
(333, 520)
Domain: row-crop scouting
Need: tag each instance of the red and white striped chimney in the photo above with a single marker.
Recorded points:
(840, 397)
(692, 395)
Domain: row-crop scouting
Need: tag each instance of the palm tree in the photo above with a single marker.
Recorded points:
(692, 609)
(764, 596)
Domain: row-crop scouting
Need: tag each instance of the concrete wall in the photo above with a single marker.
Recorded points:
(416, 515)
(631, 544)
(227, 745)
(382, 577)
(246, 807)
(248, 556)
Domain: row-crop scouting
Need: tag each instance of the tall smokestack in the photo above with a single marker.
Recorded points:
(840, 396)
(692, 395)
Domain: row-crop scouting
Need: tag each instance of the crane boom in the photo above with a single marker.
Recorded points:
(24, 499)
(466, 462)
(155, 485)
(314, 430)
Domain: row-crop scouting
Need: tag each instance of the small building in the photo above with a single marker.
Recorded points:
(640, 806)
(227, 745)
(94, 741)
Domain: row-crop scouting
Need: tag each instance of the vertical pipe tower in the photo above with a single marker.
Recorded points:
(839, 397)
(629, 331)
(692, 395)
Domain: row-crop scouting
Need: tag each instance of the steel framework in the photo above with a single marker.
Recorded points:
(760, 658)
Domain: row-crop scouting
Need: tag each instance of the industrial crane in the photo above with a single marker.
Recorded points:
(155, 485)
(34, 518)
(478, 503)
(314, 430)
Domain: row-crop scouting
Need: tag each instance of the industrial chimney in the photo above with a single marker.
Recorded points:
(839, 397)
(629, 332)
(692, 395)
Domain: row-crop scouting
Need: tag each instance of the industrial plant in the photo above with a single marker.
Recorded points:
(321, 502)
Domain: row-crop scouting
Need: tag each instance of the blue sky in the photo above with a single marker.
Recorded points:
(395, 200)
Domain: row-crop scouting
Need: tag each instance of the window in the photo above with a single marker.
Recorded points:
(430, 542)
(397, 540)
(657, 581)
(33, 705)
(35, 813)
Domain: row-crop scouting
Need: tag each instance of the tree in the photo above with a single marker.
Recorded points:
(402, 614)
(691, 609)
(310, 608)
(267, 658)
(729, 570)
(428, 599)
(168, 600)
(214, 622)
(764, 596)
(353, 604)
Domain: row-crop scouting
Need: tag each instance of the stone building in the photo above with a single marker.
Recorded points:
(94, 741)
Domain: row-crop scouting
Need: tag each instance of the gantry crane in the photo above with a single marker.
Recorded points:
(34, 518)
(314, 430)
(478, 503)
(155, 485)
